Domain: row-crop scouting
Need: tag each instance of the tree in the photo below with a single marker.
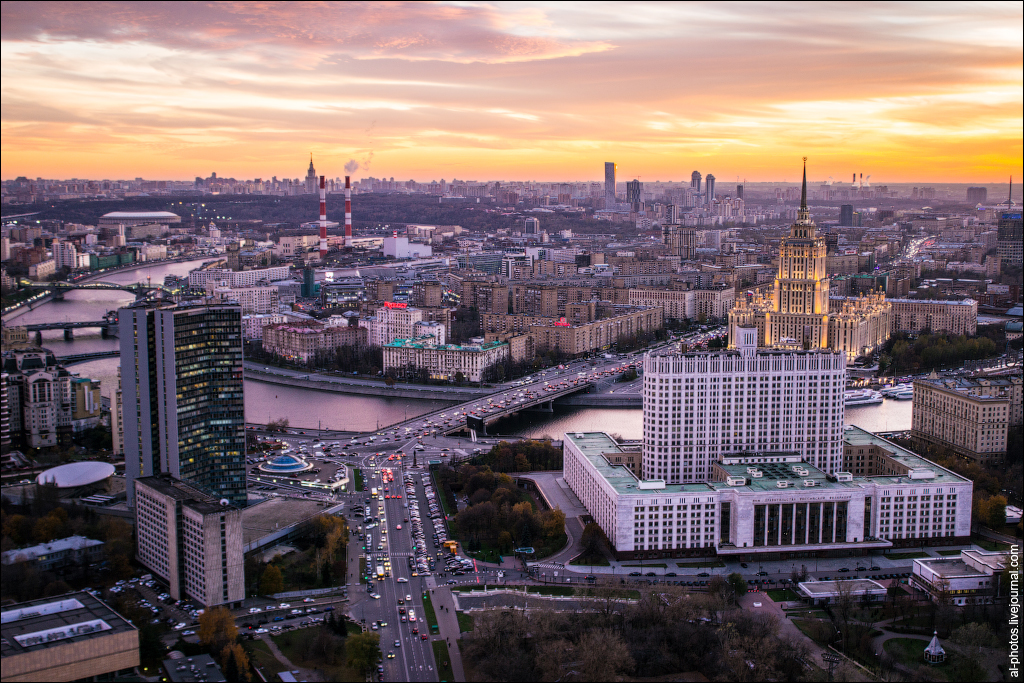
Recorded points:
(235, 663)
(362, 651)
(272, 581)
(996, 518)
(278, 425)
(217, 627)
(738, 583)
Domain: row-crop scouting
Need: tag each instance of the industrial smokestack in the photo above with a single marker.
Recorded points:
(348, 212)
(323, 220)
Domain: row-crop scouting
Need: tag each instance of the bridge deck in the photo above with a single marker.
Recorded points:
(458, 413)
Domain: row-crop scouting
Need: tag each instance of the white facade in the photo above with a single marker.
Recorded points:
(430, 328)
(42, 270)
(252, 299)
(395, 321)
(253, 324)
(770, 503)
(197, 279)
(400, 247)
(700, 406)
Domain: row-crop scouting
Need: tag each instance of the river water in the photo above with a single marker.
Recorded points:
(312, 409)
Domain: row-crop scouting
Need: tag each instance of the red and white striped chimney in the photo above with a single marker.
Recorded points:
(323, 219)
(348, 212)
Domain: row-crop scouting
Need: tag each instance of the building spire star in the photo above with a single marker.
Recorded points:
(804, 216)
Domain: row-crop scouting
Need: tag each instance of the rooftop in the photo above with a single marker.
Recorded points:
(57, 546)
(825, 589)
(273, 514)
(196, 499)
(950, 567)
(51, 622)
(424, 343)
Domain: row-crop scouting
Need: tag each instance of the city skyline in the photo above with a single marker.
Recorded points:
(513, 91)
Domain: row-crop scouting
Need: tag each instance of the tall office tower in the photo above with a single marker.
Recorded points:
(739, 192)
(609, 184)
(634, 193)
(846, 215)
(688, 243)
(701, 407)
(531, 226)
(695, 181)
(181, 394)
(709, 184)
(1010, 237)
(977, 195)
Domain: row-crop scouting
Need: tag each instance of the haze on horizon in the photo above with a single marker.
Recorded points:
(546, 91)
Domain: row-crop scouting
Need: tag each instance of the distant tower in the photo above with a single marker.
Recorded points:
(311, 184)
(739, 192)
(710, 185)
(695, 181)
(609, 184)
(634, 192)
(846, 215)
(348, 212)
(323, 220)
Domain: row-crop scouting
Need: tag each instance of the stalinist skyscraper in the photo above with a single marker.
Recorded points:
(797, 313)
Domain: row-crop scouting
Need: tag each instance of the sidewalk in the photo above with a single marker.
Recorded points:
(448, 626)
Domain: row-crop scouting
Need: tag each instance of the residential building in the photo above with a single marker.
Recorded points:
(86, 403)
(713, 302)
(919, 315)
(253, 299)
(57, 554)
(443, 361)
(969, 416)
(253, 323)
(39, 396)
(70, 637)
(191, 540)
(392, 321)
(182, 396)
(585, 328)
(303, 341)
(197, 279)
(42, 270)
(609, 184)
(678, 304)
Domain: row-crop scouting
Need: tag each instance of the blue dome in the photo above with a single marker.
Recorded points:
(285, 464)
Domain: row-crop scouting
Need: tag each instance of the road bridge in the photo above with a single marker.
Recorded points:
(139, 289)
(108, 327)
(491, 408)
(73, 358)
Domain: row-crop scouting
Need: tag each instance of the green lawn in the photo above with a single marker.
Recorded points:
(782, 595)
(443, 661)
(950, 552)
(359, 484)
(591, 561)
(259, 655)
(428, 613)
(818, 631)
(648, 565)
(907, 556)
(295, 644)
(992, 546)
(465, 621)
(909, 652)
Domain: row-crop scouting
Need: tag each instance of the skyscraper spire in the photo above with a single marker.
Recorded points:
(803, 217)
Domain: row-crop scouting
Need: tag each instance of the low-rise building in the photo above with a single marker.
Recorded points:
(73, 550)
(197, 279)
(969, 416)
(191, 540)
(585, 328)
(443, 361)
(42, 270)
(71, 637)
(253, 324)
(971, 579)
(919, 315)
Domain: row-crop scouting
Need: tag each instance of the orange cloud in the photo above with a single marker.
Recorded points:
(906, 92)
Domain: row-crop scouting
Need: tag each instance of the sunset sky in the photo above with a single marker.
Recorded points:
(927, 92)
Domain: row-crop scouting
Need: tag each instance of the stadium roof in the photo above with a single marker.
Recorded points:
(141, 214)
(76, 474)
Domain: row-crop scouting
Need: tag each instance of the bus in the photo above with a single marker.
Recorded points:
(373, 492)
(380, 572)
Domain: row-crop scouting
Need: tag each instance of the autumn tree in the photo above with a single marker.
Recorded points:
(234, 663)
(272, 580)
(217, 627)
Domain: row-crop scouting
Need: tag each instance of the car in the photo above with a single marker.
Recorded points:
(758, 574)
(704, 574)
(743, 564)
(876, 569)
(398, 643)
(844, 569)
(423, 636)
(391, 654)
(402, 579)
(861, 569)
(667, 574)
(189, 632)
(304, 600)
(651, 574)
(634, 574)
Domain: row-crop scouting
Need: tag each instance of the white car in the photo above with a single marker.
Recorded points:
(283, 605)
(254, 610)
(308, 600)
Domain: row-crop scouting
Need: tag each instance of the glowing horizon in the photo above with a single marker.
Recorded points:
(488, 91)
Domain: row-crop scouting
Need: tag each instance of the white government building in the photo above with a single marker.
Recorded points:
(745, 453)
